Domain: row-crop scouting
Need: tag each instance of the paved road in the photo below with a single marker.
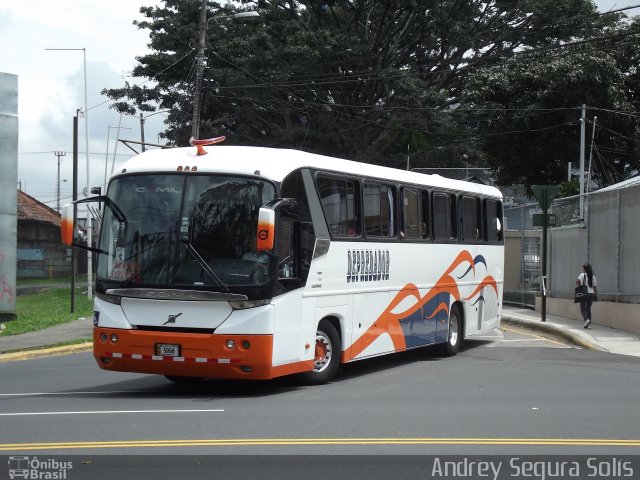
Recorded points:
(510, 393)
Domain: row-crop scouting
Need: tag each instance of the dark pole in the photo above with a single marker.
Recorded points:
(75, 210)
(545, 195)
(195, 122)
(545, 224)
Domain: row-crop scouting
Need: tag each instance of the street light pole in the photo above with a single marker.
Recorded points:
(86, 190)
(197, 96)
(195, 121)
(106, 158)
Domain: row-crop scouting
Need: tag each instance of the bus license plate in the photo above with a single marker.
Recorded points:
(167, 350)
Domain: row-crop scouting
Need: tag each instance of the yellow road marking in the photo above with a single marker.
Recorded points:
(539, 337)
(576, 442)
(46, 352)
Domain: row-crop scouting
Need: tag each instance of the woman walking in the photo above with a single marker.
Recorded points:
(589, 279)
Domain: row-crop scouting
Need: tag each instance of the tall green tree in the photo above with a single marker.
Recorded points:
(356, 78)
(529, 110)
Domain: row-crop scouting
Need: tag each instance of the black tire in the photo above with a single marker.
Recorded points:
(184, 380)
(327, 355)
(455, 335)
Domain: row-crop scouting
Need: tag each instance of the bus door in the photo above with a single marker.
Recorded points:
(370, 333)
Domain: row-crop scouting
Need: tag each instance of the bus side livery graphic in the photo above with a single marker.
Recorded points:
(390, 322)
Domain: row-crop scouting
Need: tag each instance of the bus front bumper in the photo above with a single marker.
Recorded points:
(194, 355)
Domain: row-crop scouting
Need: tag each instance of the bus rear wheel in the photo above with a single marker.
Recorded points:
(454, 337)
(326, 357)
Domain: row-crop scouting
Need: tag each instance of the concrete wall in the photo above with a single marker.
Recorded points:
(567, 253)
(608, 240)
(8, 192)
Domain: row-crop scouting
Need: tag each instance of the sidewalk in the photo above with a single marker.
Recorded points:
(65, 332)
(595, 338)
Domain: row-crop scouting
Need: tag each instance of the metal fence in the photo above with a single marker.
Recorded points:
(522, 259)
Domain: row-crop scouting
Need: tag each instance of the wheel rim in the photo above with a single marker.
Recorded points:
(323, 352)
(453, 330)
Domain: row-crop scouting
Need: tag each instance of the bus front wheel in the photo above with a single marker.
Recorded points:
(454, 337)
(326, 357)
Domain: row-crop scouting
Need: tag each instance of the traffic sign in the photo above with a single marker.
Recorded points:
(545, 195)
(538, 220)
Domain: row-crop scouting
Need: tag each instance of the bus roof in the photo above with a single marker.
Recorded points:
(275, 164)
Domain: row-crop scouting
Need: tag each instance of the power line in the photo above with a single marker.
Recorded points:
(69, 151)
(619, 10)
(617, 112)
(387, 74)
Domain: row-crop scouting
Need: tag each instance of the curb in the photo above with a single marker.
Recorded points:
(46, 352)
(553, 330)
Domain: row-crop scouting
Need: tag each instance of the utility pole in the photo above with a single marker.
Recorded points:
(142, 131)
(59, 154)
(74, 256)
(195, 122)
(408, 157)
(583, 121)
(593, 137)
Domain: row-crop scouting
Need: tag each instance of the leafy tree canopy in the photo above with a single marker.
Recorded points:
(531, 130)
(366, 78)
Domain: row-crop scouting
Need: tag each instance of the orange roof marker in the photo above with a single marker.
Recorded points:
(205, 141)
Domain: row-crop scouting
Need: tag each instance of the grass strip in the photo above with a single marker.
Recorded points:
(46, 309)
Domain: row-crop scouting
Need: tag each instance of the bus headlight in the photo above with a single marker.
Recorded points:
(244, 304)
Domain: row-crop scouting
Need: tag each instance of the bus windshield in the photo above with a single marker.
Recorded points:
(182, 231)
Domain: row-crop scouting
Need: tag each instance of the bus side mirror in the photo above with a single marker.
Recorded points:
(66, 224)
(266, 229)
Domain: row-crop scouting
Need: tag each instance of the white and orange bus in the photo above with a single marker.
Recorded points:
(253, 263)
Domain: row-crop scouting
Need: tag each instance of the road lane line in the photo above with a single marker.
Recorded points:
(539, 337)
(98, 412)
(577, 442)
(36, 394)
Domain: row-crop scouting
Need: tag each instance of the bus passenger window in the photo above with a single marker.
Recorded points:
(412, 219)
(340, 204)
(470, 219)
(493, 221)
(453, 215)
(441, 216)
(426, 216)
(379, 202)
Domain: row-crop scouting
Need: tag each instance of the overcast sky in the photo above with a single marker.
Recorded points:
(51, 83)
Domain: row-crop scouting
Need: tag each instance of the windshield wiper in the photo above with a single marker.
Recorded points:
(205, 266)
